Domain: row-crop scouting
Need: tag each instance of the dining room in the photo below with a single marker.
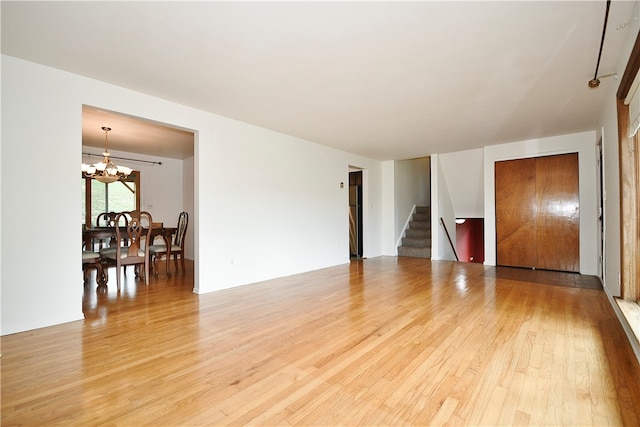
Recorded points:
(131, 164)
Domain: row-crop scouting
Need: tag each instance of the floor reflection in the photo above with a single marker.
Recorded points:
(557, 278)
(99, 302)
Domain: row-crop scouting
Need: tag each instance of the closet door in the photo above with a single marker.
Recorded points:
(558, 217)
(538, 213)
(516, 213)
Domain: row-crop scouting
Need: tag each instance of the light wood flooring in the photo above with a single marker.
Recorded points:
(380, 342)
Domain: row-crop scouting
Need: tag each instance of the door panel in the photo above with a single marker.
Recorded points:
(515, 213)
(538, 213)
(558, 221)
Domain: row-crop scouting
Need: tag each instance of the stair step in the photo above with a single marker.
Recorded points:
(423, 210)
(422, 217)
(414, 252)
(418, 232)
(419, 225)
(416, 242)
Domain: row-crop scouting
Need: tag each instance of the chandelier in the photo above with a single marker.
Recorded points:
(105, 171)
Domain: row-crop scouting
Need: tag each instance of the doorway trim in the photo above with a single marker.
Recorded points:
(584, 144)
(189, 170)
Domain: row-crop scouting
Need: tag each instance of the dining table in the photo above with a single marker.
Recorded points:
(93, 234)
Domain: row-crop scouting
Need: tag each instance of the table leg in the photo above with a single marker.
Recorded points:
(167, 242)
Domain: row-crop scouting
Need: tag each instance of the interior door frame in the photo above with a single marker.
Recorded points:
(584, 144)
(601, 211)
(362, 211)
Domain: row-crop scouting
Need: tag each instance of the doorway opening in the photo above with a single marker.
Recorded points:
(470, 239)
(355, 214)
(163, 156)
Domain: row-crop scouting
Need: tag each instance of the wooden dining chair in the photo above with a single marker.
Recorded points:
(90, 260)
(177, 246)
(138, 229)
(108, 219)
(105, 219)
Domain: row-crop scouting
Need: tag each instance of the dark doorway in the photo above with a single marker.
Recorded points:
(470, 239)
(355, 214)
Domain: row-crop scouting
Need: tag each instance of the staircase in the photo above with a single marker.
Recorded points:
(417, 240)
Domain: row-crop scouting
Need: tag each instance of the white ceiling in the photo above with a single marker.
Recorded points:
(135, 135)
(387, 80)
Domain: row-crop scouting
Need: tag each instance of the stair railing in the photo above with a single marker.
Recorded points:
(449, 237)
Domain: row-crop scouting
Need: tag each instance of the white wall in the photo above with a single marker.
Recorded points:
(373, 222)
(188, 203)
(388, 208)
(43, 286)
(611, 198)
(412, 184)
(266, 204)
(464, 172)
(441, 207)
(1, 219)
(585, 145)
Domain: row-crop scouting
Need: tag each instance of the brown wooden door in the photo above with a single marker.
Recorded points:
(516, 213)
(558, 219)
(538, 213)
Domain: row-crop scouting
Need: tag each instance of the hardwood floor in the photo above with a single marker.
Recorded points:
(382, 341)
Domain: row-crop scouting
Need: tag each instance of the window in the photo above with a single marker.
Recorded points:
(115, 197)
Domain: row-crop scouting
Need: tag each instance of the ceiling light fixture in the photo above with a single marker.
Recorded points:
(595, 82)
(105, 171)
